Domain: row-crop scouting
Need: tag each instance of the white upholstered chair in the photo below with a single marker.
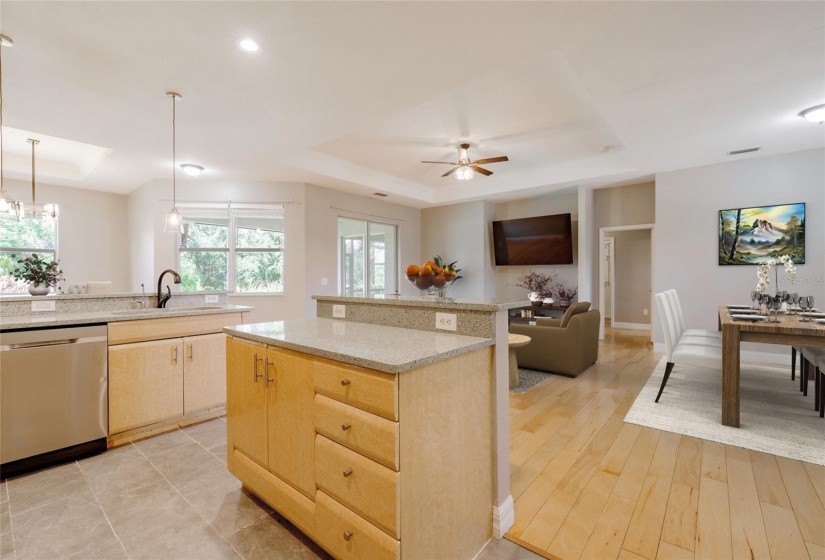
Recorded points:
(682, 349)
(676, 308)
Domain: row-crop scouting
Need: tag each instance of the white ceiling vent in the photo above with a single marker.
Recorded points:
(745, 151)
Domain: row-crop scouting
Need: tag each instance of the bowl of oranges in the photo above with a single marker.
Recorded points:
(433, 277)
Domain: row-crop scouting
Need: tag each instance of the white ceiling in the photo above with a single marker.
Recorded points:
(352, 95)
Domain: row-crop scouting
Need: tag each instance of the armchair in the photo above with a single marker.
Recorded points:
(567, 346)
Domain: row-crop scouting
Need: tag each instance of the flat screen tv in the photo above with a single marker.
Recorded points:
(539, 240)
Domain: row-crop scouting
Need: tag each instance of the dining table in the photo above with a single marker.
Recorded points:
(789, 330)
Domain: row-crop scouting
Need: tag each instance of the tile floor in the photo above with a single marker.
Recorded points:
(168, 497)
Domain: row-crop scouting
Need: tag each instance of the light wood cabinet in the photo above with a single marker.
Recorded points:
(145, 383)
(395, 459)
(204, 372)
(165, 372)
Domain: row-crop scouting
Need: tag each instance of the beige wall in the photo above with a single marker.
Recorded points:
(619, 206)
(632, 280)
(92, 232)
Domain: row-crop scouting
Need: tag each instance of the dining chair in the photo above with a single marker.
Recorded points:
(676, 306)
(814, 357)
(678, 350)
(694, 337)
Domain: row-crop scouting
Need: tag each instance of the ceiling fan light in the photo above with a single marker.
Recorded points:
(814, 114)
(464, 173)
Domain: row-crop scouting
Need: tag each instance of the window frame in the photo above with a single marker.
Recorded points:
(54, 252)
(367, 242)
(232, 249)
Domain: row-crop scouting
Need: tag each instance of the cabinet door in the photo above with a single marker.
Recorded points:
(145, 383)
(204, 372)
(246, 399)
(291, 431)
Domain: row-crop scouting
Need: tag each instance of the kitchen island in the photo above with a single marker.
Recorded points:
(376, 441)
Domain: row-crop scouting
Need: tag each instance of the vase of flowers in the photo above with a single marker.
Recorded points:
(564, 295)
(763, 272)
(42, 275)
(538, 285)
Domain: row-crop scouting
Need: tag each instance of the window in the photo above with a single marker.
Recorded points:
(367, 264)
(240, 250)
(18, 239)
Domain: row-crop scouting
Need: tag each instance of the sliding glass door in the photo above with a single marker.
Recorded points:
(368, 257)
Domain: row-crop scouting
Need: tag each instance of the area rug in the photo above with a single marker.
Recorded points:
(529, 378)
(774, 416)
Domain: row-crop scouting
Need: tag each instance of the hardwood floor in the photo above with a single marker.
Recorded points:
(589, 486)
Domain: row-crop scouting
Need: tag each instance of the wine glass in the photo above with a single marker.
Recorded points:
(754, 298)
(764, 301)
(803, 305)
(794, 301)
(776, 304)
(811, 308)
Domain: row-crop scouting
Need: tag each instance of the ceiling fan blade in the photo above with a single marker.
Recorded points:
(450, 172)
(444, 162)
(493, 159)
(481, 170)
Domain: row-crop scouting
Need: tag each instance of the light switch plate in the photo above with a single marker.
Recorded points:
(339, 311)
(446, 321)
(211, 299)
(324, 281)
(39, 306)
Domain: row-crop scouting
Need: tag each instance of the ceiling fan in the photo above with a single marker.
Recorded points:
(464, 168)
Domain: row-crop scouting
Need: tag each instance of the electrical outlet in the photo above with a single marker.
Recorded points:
(446, 321)
(38, 305)
(211, 299)
(324, 281)
(339, 311)
(644, 311)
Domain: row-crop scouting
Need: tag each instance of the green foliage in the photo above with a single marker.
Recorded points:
(25, 234)
(35, 269)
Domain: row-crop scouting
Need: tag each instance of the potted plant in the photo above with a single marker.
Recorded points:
(538, 285)
(41, 275)
(565, 295)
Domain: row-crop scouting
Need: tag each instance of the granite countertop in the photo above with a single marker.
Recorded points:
(447, 303)
(387, 349)
(111, 295)
(48, 319)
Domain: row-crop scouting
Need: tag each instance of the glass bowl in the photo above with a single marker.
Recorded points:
(431, 285)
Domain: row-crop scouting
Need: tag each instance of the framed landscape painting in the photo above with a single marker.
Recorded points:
(754, 235)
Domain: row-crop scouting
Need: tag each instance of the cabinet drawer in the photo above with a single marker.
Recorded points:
(366, 433)
(369, 390)
(369, 489)
(348, 536)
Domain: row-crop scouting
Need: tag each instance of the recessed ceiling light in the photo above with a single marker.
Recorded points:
(249, 45)
(191, 169)
(814, 114)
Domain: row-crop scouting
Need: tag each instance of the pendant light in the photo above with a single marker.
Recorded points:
(174, 223)
(7, 204)
(49, 212)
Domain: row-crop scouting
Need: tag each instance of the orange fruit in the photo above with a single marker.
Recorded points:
(426, 270)
(413, 270)
(439, 281)
(423, 282)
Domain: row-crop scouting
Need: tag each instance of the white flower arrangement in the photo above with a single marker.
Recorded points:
(764, 269)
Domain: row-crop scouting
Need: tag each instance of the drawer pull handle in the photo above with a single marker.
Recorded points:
(345, 382)
(255, 374)
(346, 427)
(347, 535)
(267, 363)
(347, 473)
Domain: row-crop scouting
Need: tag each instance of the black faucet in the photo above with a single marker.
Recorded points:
(162, 299)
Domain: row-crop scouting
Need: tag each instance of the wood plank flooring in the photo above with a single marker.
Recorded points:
(586, 485)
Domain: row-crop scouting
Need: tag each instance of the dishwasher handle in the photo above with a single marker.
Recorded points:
(42, 343)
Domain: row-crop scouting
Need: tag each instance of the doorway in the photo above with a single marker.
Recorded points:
(367, 254)
(627, 288)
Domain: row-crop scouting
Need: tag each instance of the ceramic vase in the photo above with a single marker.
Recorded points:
(39, 289)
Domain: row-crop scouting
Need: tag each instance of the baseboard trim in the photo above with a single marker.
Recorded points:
(773, 358)
(504, 517)
(630, 326)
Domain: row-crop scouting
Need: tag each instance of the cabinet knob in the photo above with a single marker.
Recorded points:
(347, 473)
(346, 427)
(345, 382)
(347, 535)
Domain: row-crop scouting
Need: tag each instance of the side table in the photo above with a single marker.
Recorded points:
(516, 341)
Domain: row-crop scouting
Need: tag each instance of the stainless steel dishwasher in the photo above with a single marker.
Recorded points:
(53, 396)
